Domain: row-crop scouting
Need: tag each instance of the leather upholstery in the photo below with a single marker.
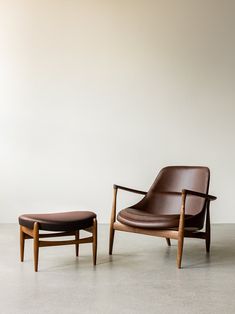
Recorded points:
(68, 221)
(160, 208)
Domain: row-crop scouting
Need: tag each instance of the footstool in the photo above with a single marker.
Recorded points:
(59, 225)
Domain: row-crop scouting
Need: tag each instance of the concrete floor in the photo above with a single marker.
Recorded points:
(141, 276)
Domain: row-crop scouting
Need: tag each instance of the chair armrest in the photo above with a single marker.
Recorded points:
(206, 196)
(115, 186)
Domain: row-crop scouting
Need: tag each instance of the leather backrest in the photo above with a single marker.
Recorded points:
(164, 196)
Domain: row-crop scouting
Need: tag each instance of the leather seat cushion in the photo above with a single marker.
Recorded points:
(142, 219)
(67, 221)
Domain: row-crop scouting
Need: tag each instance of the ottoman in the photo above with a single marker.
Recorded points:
(59, 225)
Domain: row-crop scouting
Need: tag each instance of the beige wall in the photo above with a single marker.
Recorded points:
(100, 92)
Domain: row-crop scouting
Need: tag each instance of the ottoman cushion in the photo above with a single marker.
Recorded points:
(68, 221)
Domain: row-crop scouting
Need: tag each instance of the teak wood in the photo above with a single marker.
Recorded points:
(179, 234)
(26, 233)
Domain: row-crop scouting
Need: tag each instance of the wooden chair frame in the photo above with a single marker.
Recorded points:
(179, 234)
(26, 233)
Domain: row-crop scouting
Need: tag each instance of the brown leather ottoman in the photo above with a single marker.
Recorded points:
(61, 224)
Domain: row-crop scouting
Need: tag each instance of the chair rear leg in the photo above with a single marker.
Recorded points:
(208, 230)
(168, 240)
(94, 241)
(77, 245)
(36, 245)
(111, 239)
(208, 241)
(22, 242)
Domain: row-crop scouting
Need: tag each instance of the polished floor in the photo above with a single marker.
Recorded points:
(141, 276)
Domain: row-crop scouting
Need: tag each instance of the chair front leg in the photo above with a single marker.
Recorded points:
(36, 244)
(181, 232)
(113, 219)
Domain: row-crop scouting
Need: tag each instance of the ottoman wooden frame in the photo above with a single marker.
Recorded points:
(26, 233)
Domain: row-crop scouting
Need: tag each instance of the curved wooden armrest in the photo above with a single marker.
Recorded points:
(207, 196)
(115, 186)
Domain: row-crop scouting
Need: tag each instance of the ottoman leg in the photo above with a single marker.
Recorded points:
(36, 244)
(22, 241)
(77, 245)
(94, 240)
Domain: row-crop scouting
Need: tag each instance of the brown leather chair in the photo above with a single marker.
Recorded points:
(175, 207)
(59, 225)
